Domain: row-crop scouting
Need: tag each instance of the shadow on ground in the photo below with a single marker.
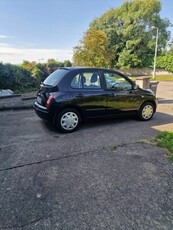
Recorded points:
(158, 119)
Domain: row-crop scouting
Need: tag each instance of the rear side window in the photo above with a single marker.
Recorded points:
(54, 78)
(86, 80)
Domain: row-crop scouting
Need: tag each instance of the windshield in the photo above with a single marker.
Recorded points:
(54, 78)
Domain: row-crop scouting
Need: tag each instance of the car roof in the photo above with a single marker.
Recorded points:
(76, 68)
(86, 68)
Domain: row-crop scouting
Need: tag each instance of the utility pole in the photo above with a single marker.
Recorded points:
(155, 55)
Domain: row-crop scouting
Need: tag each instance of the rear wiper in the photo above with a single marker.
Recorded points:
(43, 84)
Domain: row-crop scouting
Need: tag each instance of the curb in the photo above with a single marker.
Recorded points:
(18, 103)
(28, 98)
(10, 96)
(4, 108)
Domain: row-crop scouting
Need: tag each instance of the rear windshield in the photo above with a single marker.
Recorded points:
(54, 78)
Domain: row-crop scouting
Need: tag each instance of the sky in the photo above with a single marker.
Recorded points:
(36, 30)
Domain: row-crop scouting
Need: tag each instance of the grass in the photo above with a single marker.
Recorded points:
(158, 78)
(112, 148)
(165, 140)
(163, 78)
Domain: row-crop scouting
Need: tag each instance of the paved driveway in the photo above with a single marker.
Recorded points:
(165, 95)
(100, 177)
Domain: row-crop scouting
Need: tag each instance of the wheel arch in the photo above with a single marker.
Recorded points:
(77, 108)
(145, 113)
(150, 101)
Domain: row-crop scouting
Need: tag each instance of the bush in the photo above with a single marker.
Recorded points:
(27, 76)
(165, 62)
(15, 77)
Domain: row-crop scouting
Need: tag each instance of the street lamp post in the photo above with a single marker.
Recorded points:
(155, 55)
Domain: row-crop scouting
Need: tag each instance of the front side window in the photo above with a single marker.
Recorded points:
(116, 82)
(86, 80)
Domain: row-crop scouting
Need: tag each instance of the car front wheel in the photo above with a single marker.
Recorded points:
(146, 111)
(68, 120)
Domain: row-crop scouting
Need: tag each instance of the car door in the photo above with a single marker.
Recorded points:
(88, 93)
(121, 97)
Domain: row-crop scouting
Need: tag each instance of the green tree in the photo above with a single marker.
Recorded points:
(51, 65)
(28, 65)
(77, 55)
(129, 34)
(36, 70)
(93, 50)
(67, 63)
(170, 52)
(3, 79)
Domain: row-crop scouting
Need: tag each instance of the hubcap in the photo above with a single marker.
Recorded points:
(147, 112)
(69, 121)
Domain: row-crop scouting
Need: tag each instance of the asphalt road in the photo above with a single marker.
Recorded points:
(100, 177)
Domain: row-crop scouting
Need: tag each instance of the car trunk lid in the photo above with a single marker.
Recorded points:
(44, 93)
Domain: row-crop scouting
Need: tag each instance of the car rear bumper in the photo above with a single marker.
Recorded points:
(41, 111)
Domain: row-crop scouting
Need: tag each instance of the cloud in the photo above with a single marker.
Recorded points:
(9, 54)
(5, 45)
(5, 36)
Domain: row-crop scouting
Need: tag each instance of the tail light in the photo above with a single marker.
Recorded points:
(51, 97)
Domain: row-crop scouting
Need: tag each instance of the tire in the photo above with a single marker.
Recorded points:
(68, 120)
(146, 111)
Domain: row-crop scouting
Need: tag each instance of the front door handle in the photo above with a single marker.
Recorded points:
(112, 95)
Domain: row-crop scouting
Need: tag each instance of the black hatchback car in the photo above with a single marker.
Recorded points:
(71, 95)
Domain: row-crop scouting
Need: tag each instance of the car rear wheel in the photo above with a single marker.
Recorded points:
(68, 120)
(146, 111)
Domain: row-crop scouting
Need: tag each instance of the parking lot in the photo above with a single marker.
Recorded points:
(101, 177)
